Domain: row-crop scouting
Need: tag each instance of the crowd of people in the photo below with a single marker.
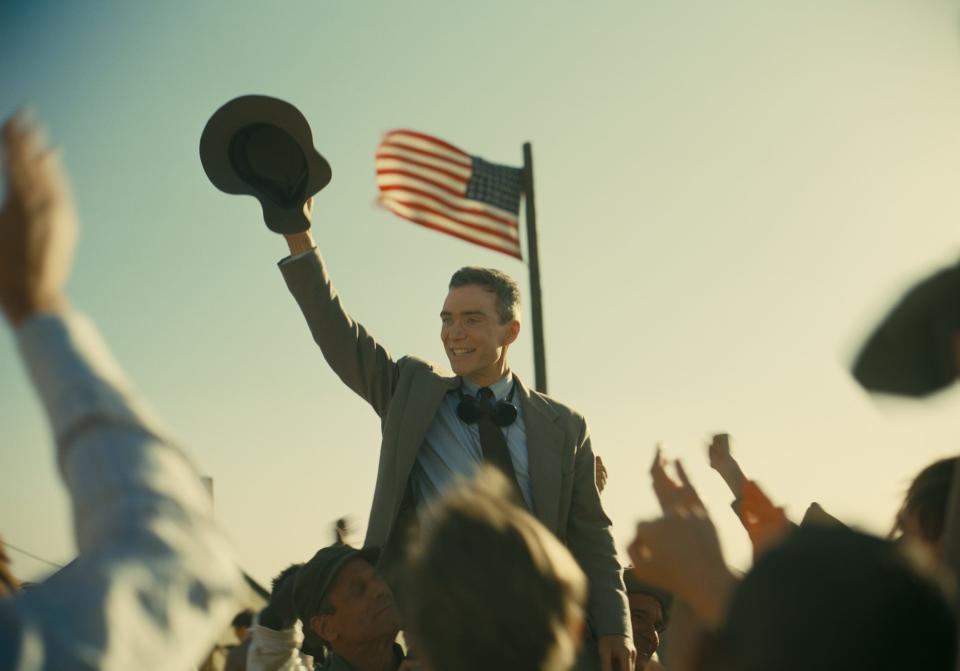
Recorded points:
(487, 545)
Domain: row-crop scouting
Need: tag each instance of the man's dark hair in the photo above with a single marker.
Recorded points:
(496, 282)
(490, 587)
(636, 586)
(243, 619)
(927, 496)
(834, 599)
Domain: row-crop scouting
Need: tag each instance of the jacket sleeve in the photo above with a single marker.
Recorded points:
(590, 539)
(360, 361)
(155, 579)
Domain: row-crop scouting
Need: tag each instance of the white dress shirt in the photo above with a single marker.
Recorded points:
(155, 580)
(451, 449)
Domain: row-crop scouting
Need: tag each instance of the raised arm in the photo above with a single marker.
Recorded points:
(155, 580)
(360, 361)
(723, 462)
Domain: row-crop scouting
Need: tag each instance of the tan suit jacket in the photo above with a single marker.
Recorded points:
(406, 394)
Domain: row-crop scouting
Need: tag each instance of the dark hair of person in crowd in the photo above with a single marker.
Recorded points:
(490, 587)
(834, 599)
(241, 622)
(924, 509)
(496, 282)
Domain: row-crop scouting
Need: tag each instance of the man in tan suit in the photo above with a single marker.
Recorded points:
(427, 445)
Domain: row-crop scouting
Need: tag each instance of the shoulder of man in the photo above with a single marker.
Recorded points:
(549, 404)
(413, 365)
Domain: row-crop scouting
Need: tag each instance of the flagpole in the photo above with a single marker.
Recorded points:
(533, 262)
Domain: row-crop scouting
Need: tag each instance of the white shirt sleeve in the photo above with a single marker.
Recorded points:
(155, 580)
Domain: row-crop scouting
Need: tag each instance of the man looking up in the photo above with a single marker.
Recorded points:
(437, 427)
(344, 604)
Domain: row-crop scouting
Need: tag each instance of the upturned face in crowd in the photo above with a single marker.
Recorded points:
(364, 609)
(473, 336)
(646, 614)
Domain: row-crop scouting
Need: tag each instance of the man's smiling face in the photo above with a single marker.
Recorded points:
(474, 339)
(646, 615)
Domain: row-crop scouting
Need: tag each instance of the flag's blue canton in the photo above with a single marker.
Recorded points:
(496, 185)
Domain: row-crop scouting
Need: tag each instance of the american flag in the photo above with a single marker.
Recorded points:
(434, 184)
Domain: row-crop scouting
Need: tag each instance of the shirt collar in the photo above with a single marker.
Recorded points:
(500, 388)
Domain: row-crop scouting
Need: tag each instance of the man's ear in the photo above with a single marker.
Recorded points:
(513, 330)
(324, 627)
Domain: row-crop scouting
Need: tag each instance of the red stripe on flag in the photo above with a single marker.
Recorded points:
(469, 224)
(505, 250)
(510, 227)
(429, 138)
(427, 166)
(424, 152)
(420, 177)
(426, 194)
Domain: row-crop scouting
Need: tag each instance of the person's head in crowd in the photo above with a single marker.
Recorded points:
(345, 605)
(921, 517)
(834, 599)
(490, 587)
(241, 623)
(480, 319)
(648, 614)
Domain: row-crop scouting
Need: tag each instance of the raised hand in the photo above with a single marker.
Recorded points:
(723, 462)
(719, 451)
(676, 498)
(765, 523)
(601, 473)
(38, 224)
(681, 554)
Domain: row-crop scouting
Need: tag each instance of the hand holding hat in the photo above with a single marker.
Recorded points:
(261, 146)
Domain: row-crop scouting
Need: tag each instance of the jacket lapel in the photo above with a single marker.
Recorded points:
(544, 454)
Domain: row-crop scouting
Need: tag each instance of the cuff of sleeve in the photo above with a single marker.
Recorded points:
(613, 619)
(294, 257)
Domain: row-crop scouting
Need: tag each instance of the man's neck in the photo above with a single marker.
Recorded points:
(369, 655)
(490, 377)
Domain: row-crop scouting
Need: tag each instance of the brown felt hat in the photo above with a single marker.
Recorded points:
(262, 147)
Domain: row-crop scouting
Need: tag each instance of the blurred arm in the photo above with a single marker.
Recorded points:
(155, 579)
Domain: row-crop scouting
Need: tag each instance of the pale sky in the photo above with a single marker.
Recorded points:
(728, 194)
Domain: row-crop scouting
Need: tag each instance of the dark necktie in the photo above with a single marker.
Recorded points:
(492, 442)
